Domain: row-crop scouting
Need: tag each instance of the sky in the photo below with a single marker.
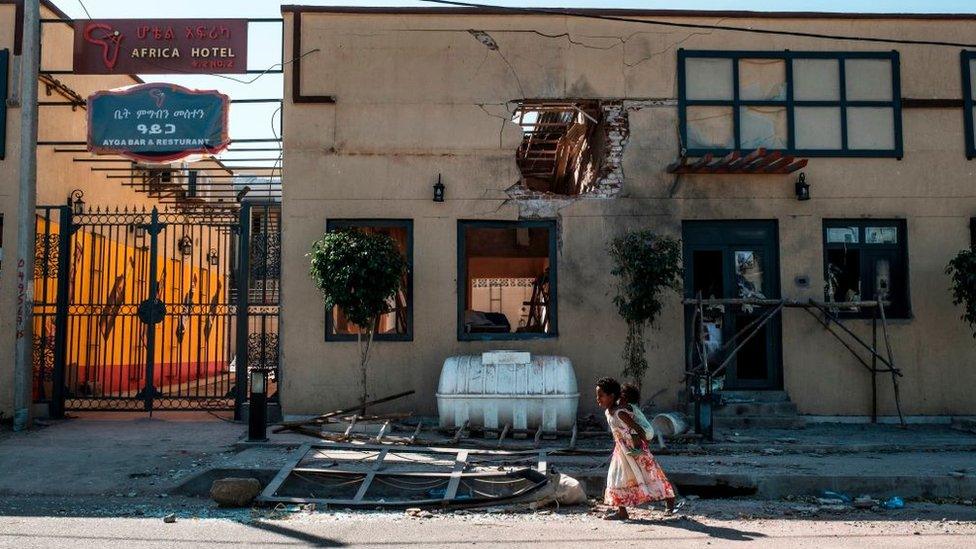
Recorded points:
(264, 39)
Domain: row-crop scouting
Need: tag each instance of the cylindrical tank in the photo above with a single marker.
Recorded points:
(497, 388)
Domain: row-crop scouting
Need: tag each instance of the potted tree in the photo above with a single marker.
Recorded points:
(962, 284)
(646, 265)
(359, 273)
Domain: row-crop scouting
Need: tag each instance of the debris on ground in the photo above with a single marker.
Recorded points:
(893, 503)
(865, 502)
(235, 492)
(417, 512)
(562, 490)
(170, 518)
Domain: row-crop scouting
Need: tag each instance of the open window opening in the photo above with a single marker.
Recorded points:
(397, 324)
(564, 145)
(866, 261)
(507, 280)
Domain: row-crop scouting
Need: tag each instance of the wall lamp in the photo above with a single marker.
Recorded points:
(802, 188)
(75, 200)
(212, 256)
(438, 190)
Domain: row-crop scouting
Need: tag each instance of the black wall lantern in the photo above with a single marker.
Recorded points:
(438, 190)
(76, 202)
(802, 188)
(212, 257)
(185, 245)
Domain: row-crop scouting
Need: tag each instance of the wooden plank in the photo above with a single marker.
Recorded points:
(460, 431)
(285, 470)
(501, 437)
(319, 419)
(721, 163)
(798, 165)
(701, 163)
(761, 163)
(538, 436)
(416, 433)
(572, 441)
(382, 433)
(778, 164)
(352, 424)
(460, 462)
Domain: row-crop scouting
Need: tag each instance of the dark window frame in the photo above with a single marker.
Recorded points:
(347, 223)
(968, 103)
(462, 279)
(4, 69)
(900, 308)
(789, 103)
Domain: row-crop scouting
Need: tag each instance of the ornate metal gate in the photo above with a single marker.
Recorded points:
(142, 310)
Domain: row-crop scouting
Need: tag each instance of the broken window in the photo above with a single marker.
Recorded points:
(396, 325)
(506, 279)
(969, 100)
(866, 260)
(563, 145)
(826, 104)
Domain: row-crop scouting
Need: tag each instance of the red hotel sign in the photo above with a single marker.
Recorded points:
(160, 46)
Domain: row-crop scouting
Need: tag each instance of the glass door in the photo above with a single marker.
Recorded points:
(735, 260)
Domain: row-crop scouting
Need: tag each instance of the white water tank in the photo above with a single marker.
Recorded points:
(497, 388)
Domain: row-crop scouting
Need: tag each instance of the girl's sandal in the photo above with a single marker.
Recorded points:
(677, 505)
(615, 515)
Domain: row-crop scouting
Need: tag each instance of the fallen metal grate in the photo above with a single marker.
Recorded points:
(370, 475)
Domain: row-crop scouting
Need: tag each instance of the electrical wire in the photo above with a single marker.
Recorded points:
(80, 2)
(701, 26)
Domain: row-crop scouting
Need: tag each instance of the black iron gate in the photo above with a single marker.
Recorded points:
(141, 310)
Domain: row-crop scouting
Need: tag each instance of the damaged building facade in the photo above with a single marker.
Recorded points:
(816, 164)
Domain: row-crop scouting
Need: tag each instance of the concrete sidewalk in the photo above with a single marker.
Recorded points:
(132, 455)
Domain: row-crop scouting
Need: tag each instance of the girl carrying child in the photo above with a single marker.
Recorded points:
(634, 477)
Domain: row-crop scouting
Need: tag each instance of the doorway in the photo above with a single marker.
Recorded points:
(736, 260)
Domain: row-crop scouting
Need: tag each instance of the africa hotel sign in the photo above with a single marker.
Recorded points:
(160, 46)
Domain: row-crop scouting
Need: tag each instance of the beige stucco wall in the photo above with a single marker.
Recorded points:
(417, 95)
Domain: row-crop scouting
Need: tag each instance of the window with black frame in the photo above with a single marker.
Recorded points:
(396, 325)
(866, 260)
(801, 103)
(506, 279)
(969, 100)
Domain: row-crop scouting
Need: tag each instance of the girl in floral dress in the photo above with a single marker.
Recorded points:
(634, 477)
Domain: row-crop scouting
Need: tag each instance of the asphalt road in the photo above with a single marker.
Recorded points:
(739, 524)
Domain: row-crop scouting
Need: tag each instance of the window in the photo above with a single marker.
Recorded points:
(506, 279)
(969, 100)
(808, 103)
(866, 260)
(397, 325)
(4, 60)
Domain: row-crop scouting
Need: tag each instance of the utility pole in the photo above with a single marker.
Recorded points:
(23, 359)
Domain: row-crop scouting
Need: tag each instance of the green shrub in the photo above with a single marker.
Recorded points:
(962, 283)
(646, 265)
(359, 273)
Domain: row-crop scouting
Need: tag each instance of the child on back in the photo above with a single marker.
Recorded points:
(630, 400)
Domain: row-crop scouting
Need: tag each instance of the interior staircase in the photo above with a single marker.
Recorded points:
(756, 410)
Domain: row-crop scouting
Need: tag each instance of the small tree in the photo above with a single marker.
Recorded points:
(645, 265)
(962, 283)
(359, 273)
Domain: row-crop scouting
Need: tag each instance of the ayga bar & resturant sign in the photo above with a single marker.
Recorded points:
(157, 122)
(160, 46)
